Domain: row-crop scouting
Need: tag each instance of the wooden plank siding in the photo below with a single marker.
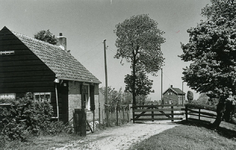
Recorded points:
(23, 71)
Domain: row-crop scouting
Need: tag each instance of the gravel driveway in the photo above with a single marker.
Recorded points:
(119, 138)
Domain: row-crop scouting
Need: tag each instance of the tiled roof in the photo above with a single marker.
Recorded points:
(178, 91)
(175, 90)
(62, 63)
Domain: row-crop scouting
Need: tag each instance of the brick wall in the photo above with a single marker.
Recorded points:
(74, 100)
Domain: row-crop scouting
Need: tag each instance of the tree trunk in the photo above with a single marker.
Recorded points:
(220, 112)
(134, 78)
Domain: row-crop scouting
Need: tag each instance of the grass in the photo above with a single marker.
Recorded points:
(41, 142)
(190, 136)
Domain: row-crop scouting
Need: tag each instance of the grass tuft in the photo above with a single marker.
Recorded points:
(187, 137)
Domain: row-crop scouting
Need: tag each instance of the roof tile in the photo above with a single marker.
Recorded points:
(62, 63)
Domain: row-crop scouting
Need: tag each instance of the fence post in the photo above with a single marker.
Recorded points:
(199, 114)
(99, 115)
(123, 112)
(80, 122)
(186, 112)
(117, 116)
(172, 113)
(152, 114)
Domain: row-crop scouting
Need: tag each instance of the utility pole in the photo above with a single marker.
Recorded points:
(106, 91)
(183, 93)
(162, 101)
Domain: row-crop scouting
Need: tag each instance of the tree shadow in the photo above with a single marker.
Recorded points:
(225, 129)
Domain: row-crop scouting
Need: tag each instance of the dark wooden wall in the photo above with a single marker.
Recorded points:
(23, 71)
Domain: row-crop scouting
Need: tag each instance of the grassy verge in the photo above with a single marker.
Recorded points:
(41, 142)
(187, 137)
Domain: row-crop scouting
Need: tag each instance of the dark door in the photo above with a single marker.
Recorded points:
(63, 101)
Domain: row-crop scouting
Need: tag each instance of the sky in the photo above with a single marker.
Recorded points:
(87, 23)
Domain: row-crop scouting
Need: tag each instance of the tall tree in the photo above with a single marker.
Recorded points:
(46, 36)
(212, 52)
(139, 42)
(143, 84)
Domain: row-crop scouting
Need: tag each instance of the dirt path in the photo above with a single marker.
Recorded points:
(119, 138)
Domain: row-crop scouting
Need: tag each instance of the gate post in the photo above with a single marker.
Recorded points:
(186, 112)
(80, 122)
(172, 112)
(152, 114)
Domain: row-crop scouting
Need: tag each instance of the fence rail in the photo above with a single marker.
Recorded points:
(157, 112)
(199, 113)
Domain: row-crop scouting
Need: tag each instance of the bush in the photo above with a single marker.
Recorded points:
(56, 127)
(24, 116)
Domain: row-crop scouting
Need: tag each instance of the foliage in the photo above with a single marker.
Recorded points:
(212, 52)
(121, 98)
(139, 42)
(206, 100)
(55, 128)
(47, 36)
(197, 105)
(24, 117)
(190, 96)
(143, 84)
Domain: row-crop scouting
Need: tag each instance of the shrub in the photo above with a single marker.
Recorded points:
(56, 127)
(24, 116)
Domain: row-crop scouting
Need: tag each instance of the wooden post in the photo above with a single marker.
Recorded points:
(80, 122)
(162, 101)
(172, 113)
(199, 114)
(93, 120)
(99, 115)
(186, 112)
(123, 111)
(106, 90)
(117, 117)
(152, 114)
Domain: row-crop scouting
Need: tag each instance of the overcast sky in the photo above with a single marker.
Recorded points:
(86, 23)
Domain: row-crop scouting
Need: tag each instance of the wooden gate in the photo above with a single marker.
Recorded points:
(157, 112)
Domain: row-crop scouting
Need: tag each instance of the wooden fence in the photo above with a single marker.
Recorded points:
(199, 114)
(157, 112)
(116, 115)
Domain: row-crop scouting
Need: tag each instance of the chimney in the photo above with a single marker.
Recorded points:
(61, 41)
(171, 86)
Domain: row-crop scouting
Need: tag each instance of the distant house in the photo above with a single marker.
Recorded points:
(50, 72)
(173, 96)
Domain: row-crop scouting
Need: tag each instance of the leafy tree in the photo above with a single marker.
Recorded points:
(190, 96)
(212, 52)
(143, 85)
(139, 42)
(46, 36)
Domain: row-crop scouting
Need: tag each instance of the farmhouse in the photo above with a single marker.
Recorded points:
(173, 96)
(48, 71)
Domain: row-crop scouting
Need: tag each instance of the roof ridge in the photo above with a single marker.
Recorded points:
(36, 40)
(62, 63)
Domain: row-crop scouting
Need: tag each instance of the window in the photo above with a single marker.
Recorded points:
(7, 96)
(86, 96)
(180, 98)
(42, 96)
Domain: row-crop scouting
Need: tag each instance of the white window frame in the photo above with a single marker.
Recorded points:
(7, 96)
(42, 96)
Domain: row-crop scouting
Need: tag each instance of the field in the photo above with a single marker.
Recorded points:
(190, 137)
